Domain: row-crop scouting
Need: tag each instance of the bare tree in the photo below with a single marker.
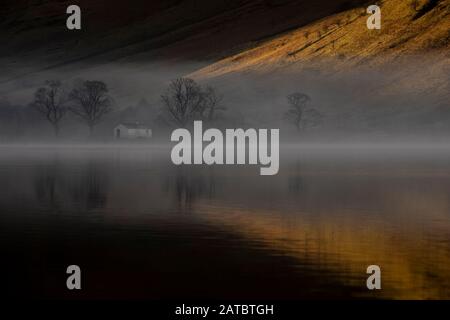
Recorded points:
(91, 102)
(213, 103)
(299, 114)
(185, 100)
(51, 102)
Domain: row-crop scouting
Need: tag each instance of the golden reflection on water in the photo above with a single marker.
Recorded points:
(412, 246)
(336, 215)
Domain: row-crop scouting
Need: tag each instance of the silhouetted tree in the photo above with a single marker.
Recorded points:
(51, 102)
(91, 102)
(299, 114)
(213, 103)
(184, 100)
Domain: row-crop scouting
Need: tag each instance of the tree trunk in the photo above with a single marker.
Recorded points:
(91, 130)
(211, 114)
(56, 129)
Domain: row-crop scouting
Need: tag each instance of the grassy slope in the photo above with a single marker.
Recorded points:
(408, 61)
(344, 40)
(250, 36)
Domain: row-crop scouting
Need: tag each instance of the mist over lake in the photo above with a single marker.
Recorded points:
(142, 227)
(194, 156)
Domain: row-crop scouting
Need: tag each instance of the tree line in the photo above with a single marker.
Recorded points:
(88, 100)
(183, 101)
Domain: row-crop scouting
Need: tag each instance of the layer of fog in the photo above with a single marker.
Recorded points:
(359, 106)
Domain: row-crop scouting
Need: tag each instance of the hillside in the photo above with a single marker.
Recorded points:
(255, 51)
(344, 40)
(396, 77)
(142, 31)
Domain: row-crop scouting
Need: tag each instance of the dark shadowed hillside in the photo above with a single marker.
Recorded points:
(34, 32)
(255, 51)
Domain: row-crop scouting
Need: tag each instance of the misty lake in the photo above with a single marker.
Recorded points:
(140, 227)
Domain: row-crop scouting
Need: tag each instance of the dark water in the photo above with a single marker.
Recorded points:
(140, 227)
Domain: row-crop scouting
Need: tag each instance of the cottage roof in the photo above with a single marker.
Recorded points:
(133, 125)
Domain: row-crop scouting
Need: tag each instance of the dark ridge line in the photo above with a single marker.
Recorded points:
(178, 29)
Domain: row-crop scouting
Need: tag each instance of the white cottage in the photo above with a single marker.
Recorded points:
(132, 131)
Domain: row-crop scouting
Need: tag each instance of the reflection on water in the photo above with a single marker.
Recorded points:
(141, 227)
(186, 186)
(86, 189)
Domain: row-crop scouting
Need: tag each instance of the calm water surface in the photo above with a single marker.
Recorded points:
(140, 227)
